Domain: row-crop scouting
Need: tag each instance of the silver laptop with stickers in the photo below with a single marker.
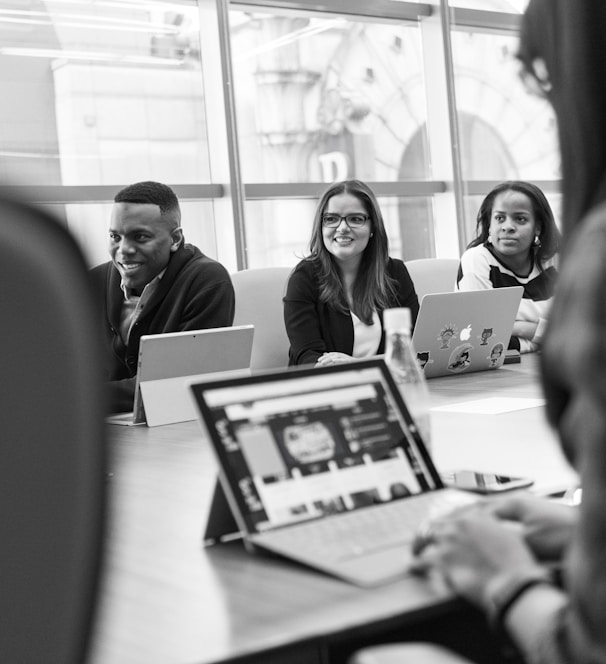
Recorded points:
(465, 331)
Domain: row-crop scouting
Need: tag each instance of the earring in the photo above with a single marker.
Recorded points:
(537, 241)
(371, 234)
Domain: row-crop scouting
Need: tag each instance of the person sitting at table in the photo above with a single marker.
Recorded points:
(515, 245)
(486, 561)
(335, 297)
(155, 283)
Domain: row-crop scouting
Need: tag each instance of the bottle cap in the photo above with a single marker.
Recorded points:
(397, 319)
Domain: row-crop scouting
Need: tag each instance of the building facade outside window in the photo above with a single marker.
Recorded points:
(100, 94)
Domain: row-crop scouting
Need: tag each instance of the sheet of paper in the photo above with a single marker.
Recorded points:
(491, 405)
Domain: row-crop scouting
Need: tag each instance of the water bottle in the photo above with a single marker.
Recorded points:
(405, 369)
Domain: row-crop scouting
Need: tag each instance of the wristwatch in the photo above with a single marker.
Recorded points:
(504, 594)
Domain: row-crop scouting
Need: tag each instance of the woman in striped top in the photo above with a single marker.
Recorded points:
(516, 245)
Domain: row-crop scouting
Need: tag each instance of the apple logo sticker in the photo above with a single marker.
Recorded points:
(465, 333)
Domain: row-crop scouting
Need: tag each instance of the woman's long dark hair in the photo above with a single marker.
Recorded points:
(549, 235)
(373, 289)
(568, 36)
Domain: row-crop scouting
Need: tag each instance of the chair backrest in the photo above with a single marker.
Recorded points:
(52, 454)
(433, 275)
(407, 653)
(259, 294)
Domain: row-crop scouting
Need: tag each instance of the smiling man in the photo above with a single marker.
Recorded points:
(155, 283)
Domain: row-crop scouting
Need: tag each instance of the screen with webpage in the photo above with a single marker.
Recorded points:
(304, 447)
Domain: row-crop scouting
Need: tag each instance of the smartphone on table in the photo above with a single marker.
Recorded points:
(471, 480)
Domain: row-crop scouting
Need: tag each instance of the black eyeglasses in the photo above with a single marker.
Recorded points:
(352, 220)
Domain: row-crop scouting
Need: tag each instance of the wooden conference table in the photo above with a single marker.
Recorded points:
(167, 599)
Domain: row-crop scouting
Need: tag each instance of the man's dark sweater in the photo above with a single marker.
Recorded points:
(194, 293)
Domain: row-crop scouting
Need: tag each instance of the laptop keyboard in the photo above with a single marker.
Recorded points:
(357, 533)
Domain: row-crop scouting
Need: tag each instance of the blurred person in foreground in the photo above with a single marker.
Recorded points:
(154, 283)
(482, 558)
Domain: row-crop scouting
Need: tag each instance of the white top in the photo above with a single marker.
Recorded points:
(397, 319)
(366, 337)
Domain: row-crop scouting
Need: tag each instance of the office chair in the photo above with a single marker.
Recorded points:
(407, 653)
(259, 294)
(52, 453)
(433, 275)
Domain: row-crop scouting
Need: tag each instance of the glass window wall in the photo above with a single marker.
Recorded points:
(99, 93)
(286, 242)
(325, 99)
(321, 99)
(89, 223)
(504, 132)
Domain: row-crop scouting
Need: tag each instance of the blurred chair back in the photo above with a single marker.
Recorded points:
(433, 275)
(407, 653)
(52, 453)
(259, 294)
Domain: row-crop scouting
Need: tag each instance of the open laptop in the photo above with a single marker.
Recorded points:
(465, 331)
(169, 362)
(324, 466)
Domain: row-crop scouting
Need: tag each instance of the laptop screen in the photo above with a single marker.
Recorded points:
(311, 442)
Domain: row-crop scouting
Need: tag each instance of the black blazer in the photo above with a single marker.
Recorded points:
(314, 327)
(195, 293)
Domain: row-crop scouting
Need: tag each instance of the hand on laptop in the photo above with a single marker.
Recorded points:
(547, 525)
(328, 359)
(472, 549)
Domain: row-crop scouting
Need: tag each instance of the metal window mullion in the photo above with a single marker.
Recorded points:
(235, 174)
(455, 147)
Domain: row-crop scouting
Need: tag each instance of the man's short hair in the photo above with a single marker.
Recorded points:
(154, 193)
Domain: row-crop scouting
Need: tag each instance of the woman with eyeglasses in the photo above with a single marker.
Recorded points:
(515, 245)
(335, 297)
(492, 556)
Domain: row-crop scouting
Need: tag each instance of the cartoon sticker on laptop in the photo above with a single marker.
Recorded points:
(309, 443)
(459, 359)
(446, 335)
(424, 358)
(487, 332)
(495, 355)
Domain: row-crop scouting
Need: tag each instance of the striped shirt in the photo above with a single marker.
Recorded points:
(480, 269)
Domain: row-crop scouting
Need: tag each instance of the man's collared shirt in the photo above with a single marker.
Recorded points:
(133, 305)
